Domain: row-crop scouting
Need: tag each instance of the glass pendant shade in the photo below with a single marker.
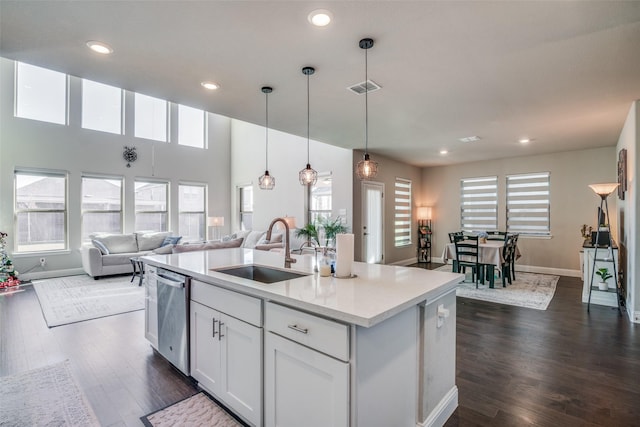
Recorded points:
(308, 176)
(603, 190)
(266, 181)
(366, 168)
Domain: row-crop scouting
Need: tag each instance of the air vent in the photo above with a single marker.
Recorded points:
(361, 88)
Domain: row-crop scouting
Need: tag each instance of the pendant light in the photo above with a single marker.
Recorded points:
(266, 181)
(366, 168)
(308, 176)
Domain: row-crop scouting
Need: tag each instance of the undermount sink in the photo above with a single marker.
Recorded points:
(260, 273)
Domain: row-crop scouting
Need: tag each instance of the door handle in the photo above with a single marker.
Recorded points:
(298, 329)
(220, 331)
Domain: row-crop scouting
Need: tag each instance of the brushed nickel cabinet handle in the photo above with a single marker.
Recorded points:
(214, 328)
(298, 329)
(220, 331)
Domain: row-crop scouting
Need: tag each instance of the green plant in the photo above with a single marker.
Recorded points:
(332, 227)
(604, 274)
(309, 232)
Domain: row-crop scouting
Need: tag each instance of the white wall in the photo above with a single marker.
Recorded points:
(287, 156)
(34, 144)
(573, 203)
(628, 212)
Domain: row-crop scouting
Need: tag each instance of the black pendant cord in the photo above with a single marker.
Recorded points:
(266, 152)
(308, 118)
(366, 103)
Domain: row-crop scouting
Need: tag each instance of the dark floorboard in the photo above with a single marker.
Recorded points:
(515, 366)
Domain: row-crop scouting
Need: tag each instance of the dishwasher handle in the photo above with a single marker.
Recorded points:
(170, 282)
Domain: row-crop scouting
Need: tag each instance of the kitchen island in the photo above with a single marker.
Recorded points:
(377, 349)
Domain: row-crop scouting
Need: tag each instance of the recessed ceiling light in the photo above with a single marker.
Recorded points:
(473, 138)
(320, 17)
(443, 152)
(524, 140)
(99, 47)
(210, 85)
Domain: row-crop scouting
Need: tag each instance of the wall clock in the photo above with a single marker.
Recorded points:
(129, 154)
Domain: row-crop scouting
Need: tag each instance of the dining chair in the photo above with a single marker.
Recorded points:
(467, 256)
(497, 235)
(508, 254)
(514, 242)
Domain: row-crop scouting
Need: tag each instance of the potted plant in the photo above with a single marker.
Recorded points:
(332, 227)
(604, 275)
(309, 232)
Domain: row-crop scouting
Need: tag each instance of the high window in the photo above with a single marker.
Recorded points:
(150, 118)
(528, 204)
(191, 127)
(101, 205)
(245, 198)
(41, 94)
(320, 198)
(479, 203)
(152, 213)
(191, 211)
(40, 211)
(101, 107)
(402, 212)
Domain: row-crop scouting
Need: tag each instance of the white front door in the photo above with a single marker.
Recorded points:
(372, 222)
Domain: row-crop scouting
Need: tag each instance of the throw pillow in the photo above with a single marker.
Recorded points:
(170, 240)
(98, 244)
(118, 243)
(164, 250)
(149, 241)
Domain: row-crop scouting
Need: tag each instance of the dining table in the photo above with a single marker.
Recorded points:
(489, 252)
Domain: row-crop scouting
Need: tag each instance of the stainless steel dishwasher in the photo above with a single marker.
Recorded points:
(173, 318)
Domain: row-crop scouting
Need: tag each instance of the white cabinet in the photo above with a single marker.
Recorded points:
(151, 305)
(226, 351)
(304, 387)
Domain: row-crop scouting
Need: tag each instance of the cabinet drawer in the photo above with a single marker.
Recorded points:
(321, 334)
(243, 307)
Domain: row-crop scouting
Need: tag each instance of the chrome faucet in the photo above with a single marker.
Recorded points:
(287, 248)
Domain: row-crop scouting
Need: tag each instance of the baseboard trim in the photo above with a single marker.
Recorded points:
(405, 262)
(442, 411)
(51, 273)
(634, 316)
(536, 269)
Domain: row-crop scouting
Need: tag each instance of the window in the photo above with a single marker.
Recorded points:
(191, 211)
(402, 216)
(101, 107)
(150, 118)
(41, 94)
(479, 203)
(191, 127)
(151, 205)
(101, 205)
(246, 207)
(528, 204)
(40, 211)
(320, 198)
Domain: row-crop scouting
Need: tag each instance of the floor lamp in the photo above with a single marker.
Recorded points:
(216, 222)
(603, 190)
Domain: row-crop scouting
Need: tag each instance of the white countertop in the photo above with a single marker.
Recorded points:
(377, 293)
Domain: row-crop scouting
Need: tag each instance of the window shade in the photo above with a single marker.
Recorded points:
(402, 220)
(479, 203)
(528, 203)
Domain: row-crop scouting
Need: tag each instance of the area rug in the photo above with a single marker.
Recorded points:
(197, 410)
(47, 396)
(74, 299)
(531, 290)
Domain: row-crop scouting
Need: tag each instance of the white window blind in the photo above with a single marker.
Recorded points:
(528, 203)
(479, 203)
(402, 217)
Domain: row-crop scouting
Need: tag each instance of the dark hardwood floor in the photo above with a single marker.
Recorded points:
(515, 366)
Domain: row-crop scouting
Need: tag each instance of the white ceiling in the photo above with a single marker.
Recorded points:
(561, 73)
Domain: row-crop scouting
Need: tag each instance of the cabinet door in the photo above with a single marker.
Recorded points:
(151, 307)
(304, 387)
(241, 365)
(205, 347)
